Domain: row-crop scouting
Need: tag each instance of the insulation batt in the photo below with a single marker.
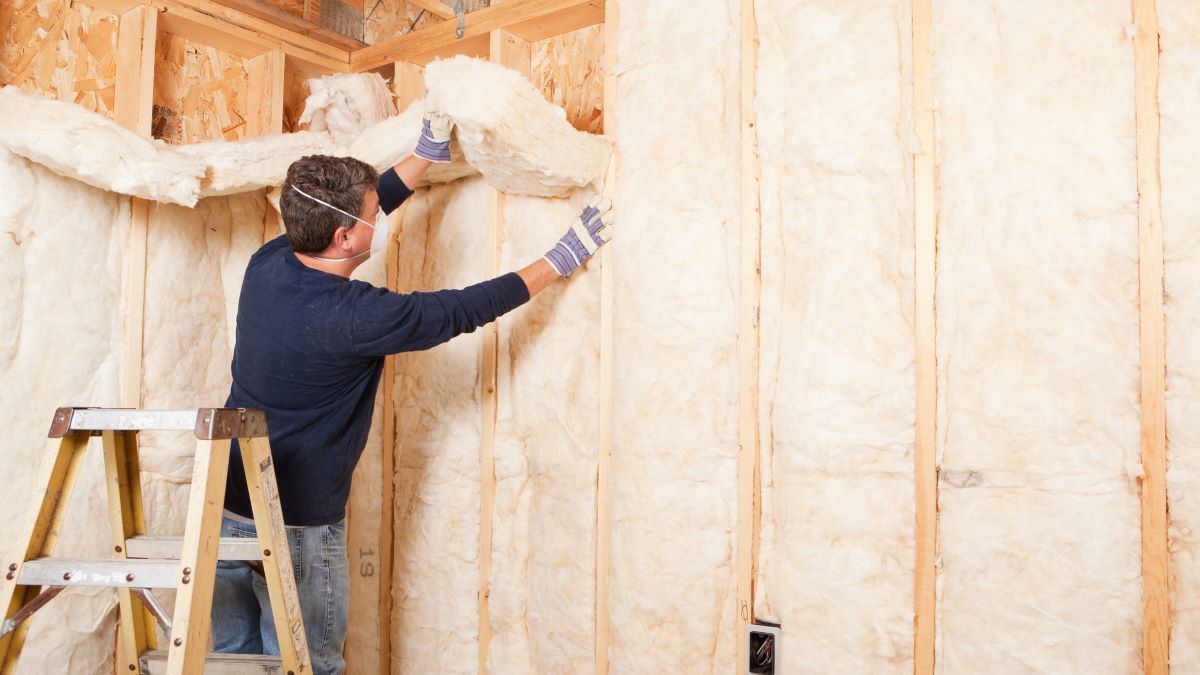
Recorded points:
(345, 105)
(1037, 338)
(91, 148)
(675, 263)
(837, 400)
(1179, 102)
(438, 431)
(521, 143)
(61, 262)
(542, 600)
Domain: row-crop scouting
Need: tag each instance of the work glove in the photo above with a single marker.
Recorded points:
(584, 237)
(434, 144)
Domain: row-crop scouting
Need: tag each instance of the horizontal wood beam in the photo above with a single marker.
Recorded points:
(293, 23)
(237, 32)
(530, 20)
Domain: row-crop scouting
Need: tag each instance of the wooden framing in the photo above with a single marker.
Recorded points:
(1156, 620)
(748, 332)
(513, 52)
(925, 225)
(607, 288)
(529, 20)
(264, 110)
(434, 7)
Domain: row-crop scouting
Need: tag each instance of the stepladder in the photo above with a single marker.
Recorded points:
(138, 563)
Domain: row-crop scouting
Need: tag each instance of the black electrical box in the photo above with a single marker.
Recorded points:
(762, 647)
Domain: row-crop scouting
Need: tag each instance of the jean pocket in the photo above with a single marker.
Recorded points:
(295, 537)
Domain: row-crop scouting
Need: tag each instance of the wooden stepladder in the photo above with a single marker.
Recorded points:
(140, 563)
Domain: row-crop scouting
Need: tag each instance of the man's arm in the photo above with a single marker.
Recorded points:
(412, 169)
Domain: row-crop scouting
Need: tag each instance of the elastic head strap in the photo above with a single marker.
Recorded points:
(331, 206)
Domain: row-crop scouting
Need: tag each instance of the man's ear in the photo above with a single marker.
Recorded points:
(341, 238)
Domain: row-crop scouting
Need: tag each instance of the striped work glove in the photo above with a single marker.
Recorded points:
(584, 237)
(434, 144)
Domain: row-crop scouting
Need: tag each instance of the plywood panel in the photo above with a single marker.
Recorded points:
(390, 18)
(67, 51)
(295, 91)
(199, 92)
(569, 70)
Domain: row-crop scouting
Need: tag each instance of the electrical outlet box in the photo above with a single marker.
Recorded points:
(762, 648)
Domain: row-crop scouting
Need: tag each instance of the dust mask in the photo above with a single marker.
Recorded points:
(381, 230)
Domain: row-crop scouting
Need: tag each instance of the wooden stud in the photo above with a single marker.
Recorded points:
(198, 560)
(137, 32)
(1156, 621)
(925, 224)
(133, 637)
(607, 287)
(529, 20)
(748, 331)
(276, 555)
(264, 109)
(39, 533)
(408, 86)
(513, 52)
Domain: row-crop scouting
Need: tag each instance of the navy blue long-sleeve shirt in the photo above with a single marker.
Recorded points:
(309, 350)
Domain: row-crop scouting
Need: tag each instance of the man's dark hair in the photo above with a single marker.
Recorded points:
(340, 181)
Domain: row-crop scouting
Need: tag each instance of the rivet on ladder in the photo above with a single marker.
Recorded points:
(117, 549)
(132, 667)
(177, 642)
(186, 579)
(12, 567)
(128, 577)
(267, 552)
(9, 576)
(66, 576)
(187, 571)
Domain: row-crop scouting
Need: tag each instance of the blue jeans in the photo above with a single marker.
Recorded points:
(241, 607)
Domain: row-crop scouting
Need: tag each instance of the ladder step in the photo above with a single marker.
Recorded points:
(154, 662)
(106, 573)
(170, 548)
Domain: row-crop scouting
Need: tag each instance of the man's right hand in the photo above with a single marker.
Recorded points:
(585, 235)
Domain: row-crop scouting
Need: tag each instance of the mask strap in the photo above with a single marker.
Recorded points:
(331, 206)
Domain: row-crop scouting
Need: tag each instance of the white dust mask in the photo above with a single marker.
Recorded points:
(379, 239)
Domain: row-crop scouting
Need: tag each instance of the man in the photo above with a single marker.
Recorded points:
(309, 350)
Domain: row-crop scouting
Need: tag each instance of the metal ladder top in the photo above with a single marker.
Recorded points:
(205, 423)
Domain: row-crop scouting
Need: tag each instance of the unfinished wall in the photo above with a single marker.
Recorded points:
(199, 92)
(60, 256)
(1037, 339)
(542, 597)
(1179, 98)
(837, 397)
(61, 48)
(675, 443)
(438, 418)
(569, 71)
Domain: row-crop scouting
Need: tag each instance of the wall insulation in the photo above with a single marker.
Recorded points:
(1037, 338)
(1179, 99)
(438, 431)
(837, 399)
(675, 263)
(61, 246)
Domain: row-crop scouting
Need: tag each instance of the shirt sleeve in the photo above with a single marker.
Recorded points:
(392, 191)
(390, 323)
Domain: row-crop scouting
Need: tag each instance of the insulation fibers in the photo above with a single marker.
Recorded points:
(1037, 338)
(91, 148)
(345, 105)
(195, 261)
(1179, 103)
(521, 143)
(438, 424)
(542, 600)
(386, 143)
(255, 163)
(837, 398)
(61, 246)
(675, 264)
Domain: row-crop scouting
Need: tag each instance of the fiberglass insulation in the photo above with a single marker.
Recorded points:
(61, 245)
(542, 598)
(837, 398)
(1037, 338)
(1179, 101)
(438, 420)
(673, 487)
